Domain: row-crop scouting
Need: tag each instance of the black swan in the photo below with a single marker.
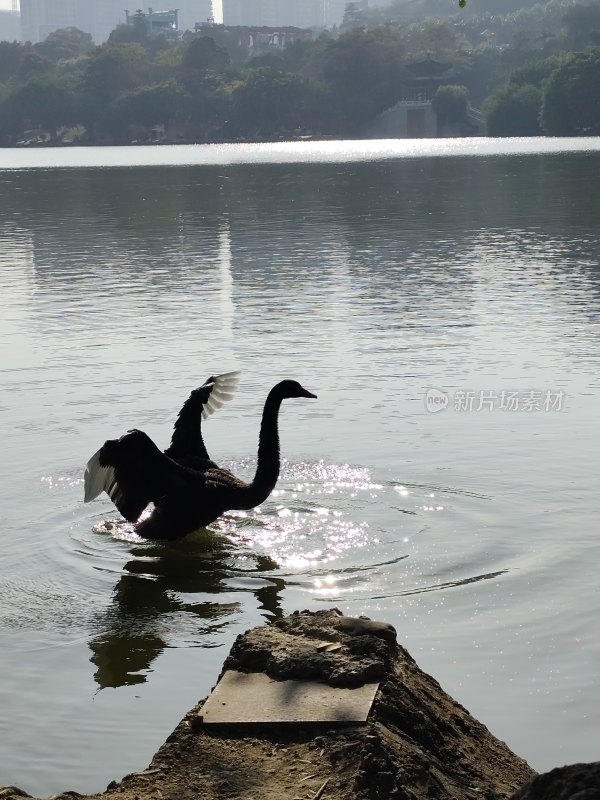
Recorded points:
(187, 445)
(188, 490)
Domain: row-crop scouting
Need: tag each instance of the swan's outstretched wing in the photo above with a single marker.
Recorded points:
(97, 479)
(133, 472)
(187, 434)
(221, 389)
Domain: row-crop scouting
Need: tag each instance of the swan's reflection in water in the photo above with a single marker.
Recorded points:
(165, 598)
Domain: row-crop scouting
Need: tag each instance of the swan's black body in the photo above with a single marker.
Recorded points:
(187, 446)
(187, 488)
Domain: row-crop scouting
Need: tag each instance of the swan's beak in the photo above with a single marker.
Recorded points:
(306, 393)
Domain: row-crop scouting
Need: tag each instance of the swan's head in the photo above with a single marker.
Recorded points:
(293, 389)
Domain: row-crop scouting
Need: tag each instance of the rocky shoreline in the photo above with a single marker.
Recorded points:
(416, 743)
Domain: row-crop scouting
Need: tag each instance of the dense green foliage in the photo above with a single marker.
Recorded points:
(363, 71)
(514, 111)
(451, 103)
(534, 69)
(571, 103)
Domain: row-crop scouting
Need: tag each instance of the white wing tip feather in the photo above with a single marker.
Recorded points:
(97, 479)
(224, 388)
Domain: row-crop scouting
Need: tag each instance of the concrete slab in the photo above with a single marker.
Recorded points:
(242, 698)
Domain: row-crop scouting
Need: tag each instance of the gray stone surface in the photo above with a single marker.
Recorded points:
(256, 698)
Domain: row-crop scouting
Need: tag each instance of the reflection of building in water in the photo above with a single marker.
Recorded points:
(18, 352)
(226, 304)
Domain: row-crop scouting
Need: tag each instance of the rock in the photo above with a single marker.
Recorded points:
(575, 782)
(417, 743)
(295, 648)
(362, 626)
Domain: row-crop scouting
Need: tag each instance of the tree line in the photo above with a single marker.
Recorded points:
(536, 70)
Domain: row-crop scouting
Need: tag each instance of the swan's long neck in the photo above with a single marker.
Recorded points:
(267, 469)
(187, 435)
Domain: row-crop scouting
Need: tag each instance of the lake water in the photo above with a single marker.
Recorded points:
(441, 298)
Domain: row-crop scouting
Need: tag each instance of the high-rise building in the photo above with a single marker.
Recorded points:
(99, 17)
(41, 17)
(191, 12)
(281, 13)
(10, 26)
(334, 12)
